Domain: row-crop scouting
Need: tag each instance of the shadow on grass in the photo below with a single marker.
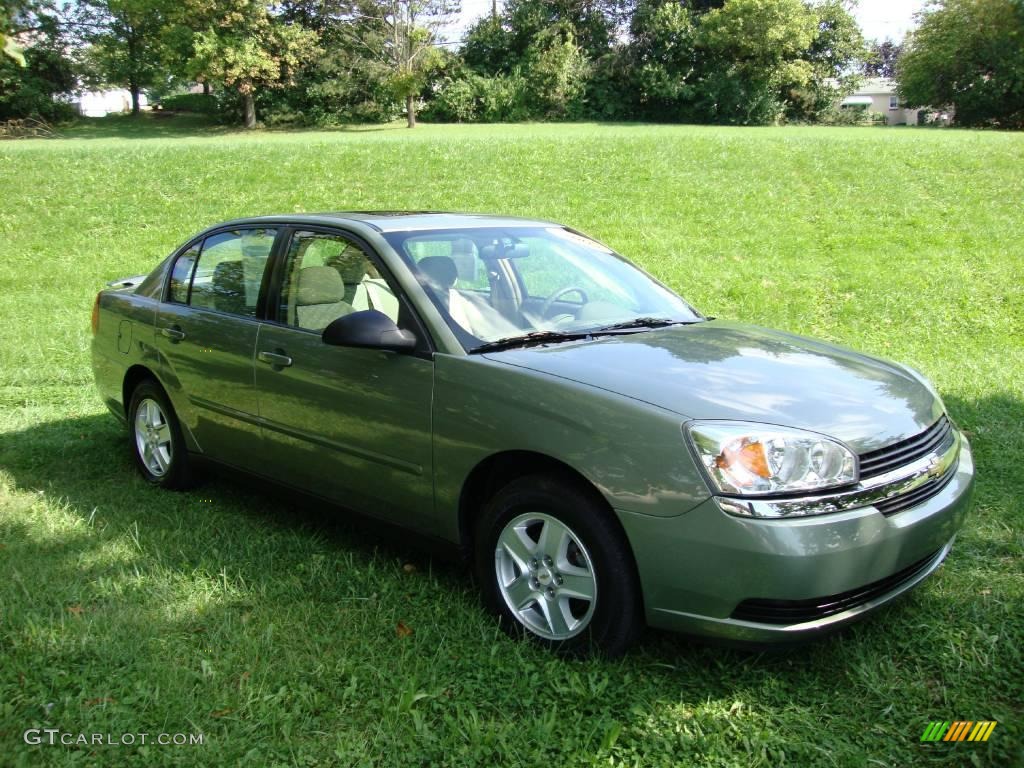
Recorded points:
(995, 428)
(156, 125)
(341, 602)
(148, 125)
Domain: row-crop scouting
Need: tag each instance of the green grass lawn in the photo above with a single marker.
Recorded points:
(269, 625)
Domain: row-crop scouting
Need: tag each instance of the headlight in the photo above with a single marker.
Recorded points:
(757, 459)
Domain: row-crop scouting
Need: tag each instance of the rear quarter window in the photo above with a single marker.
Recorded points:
(181, 275)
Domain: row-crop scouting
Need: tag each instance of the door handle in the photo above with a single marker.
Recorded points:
(173, 332)
(276, 359)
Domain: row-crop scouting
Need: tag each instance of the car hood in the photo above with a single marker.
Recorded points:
(723, 370)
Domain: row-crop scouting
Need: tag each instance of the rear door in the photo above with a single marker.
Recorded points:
(349, 424)
(206, 333)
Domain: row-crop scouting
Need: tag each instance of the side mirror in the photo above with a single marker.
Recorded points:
(369, 329)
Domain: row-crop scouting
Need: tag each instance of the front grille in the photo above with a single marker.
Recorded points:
(938, 437)
(764, 611)
(919, 495)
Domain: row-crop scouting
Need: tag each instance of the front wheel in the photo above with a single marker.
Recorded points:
(157, 441)
(554, 565)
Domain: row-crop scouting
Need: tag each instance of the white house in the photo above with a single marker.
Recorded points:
(102, 103)
(878, 95)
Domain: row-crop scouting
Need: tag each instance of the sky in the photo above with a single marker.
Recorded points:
(878, 19)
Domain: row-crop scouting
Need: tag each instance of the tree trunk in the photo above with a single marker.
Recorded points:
(134, 88)
(250, 109)
(206, 88)
(410, 110)
(134, 64)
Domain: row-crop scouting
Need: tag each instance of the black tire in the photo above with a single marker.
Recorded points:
(609, 623)
(177, 473)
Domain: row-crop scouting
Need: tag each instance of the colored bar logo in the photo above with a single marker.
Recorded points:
(959, 730)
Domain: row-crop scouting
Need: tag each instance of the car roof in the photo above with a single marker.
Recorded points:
(400, 221)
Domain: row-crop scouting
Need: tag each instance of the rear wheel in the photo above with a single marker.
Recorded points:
(156, 438)
(554, 565)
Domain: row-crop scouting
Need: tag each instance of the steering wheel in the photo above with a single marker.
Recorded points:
(546, 306)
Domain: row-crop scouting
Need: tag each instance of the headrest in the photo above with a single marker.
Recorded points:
(319, 285)
(439, 271)
(351, 264)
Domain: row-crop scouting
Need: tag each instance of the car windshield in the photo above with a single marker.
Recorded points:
(498, 284)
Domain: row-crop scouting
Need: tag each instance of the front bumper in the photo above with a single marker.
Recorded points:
(696, 569)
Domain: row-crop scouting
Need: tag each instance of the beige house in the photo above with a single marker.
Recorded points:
(878, 95)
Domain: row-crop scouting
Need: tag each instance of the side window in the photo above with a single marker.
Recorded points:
(181, 275)
(230, 270)
(327, 276)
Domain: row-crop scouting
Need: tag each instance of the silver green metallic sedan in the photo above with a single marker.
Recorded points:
(606, 456)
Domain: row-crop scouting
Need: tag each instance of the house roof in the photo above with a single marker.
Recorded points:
(882, 86)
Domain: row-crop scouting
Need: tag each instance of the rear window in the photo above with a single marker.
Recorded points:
(225, 273)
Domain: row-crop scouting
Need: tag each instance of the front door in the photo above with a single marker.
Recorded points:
(349, 424)
(206, 332)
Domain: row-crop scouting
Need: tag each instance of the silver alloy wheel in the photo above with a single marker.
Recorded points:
(153, 437)
(545, 576)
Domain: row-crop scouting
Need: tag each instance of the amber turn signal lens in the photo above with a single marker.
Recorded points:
(750, 456)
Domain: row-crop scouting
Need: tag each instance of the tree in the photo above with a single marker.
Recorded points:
(8, 46)
(881, 59)
(663, 58)
(401, 36)
(352, 80)
(751, 51)
(29, 89)
(20, 18)
(837, 47)
(29, 81)
(247, 47)
(968, 54)
(499, 45)
(123, 40)
(558, 73)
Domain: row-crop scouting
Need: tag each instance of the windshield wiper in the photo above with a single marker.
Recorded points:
(534, 337)
(643, 322)
(544, 337)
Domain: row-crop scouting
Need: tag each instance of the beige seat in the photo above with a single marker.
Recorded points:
(472, 312)
(380, 297)
(361, 290)
(352, 265)
(319, 298)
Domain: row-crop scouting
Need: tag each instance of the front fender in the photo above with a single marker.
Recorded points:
(632, 452)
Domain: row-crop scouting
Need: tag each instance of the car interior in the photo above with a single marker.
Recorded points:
(328, 277)
(483, 284)
(230, 270)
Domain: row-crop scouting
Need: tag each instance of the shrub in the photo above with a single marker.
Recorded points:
(852, 115)
(200, 103)
(479, 99)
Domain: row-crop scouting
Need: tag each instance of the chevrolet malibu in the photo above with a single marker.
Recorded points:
(606, 456)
